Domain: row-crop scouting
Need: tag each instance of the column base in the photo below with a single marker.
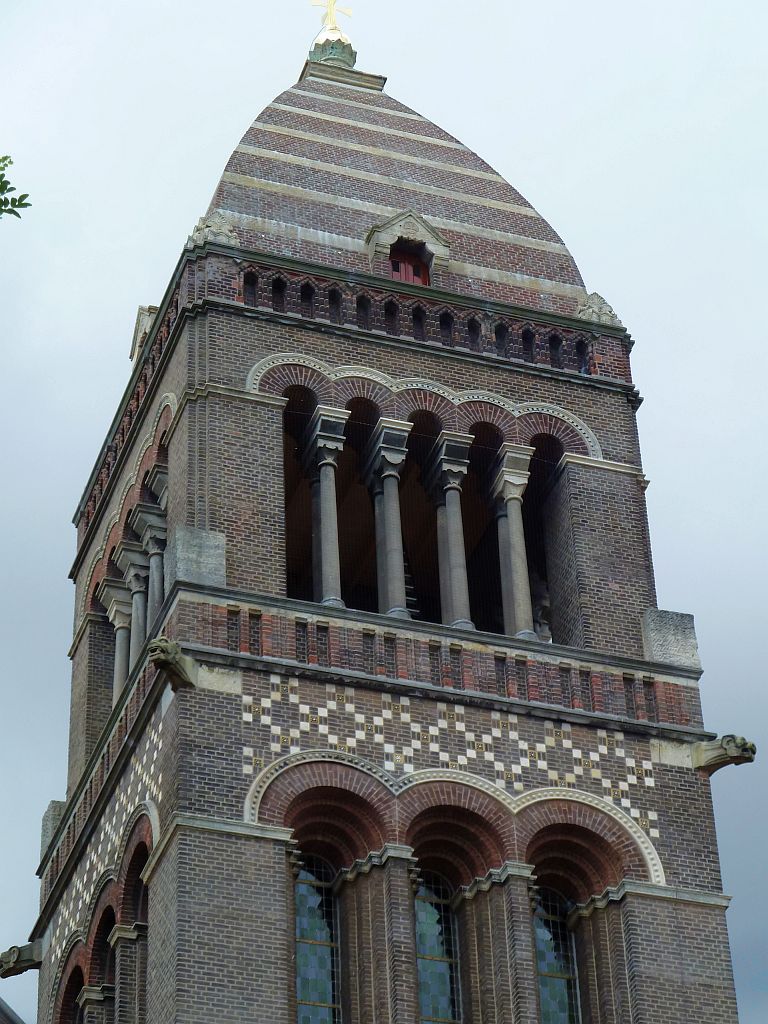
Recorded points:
(526, 634)
(333, 602)
(399, 613)
(462, 624)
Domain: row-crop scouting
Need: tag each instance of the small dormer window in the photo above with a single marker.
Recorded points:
(407, 266)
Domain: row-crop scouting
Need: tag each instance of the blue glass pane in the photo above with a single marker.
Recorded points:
(316, 963)
(316, 1015)
(436, 952)
(314, 913)
(558, 989)
(436, 998)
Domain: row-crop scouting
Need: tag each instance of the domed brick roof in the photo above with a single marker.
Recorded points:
(334, 157)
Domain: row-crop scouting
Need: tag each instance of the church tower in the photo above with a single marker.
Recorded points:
(374, 717)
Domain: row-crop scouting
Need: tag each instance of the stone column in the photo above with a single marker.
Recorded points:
(149, 523)
(447, 468)
(509, 479)
(446, 606)
(97, 1003)
(155, 547)
(137, 583)
(323, 442)
(385, 458)
(116, 598)
(131, 558)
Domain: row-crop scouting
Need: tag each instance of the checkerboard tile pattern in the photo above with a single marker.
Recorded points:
(403, 735)
(142, 781)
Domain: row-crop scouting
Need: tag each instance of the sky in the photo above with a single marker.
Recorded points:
(637, 130)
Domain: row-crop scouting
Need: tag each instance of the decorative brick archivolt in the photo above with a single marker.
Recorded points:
(514, 819)
(518, 422)
(74, 964)
(114, 527)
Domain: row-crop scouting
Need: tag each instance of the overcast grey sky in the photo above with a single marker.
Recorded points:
(637, 130)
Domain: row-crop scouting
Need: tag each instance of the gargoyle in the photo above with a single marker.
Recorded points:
(167, 656)
(19, 959)
(713, 755)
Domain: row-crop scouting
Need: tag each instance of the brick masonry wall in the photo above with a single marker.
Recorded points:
(91, 700)
(678, 962)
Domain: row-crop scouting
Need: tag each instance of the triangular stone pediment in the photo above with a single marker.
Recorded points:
(411, 226)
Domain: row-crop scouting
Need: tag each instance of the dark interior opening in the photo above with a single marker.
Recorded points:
(250, 284)
(298, 500)
(422, 579)
(481, 536)
(357, 530)
(547, 455)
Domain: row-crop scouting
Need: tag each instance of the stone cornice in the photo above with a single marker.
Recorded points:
(573, 657)
(426, 292)
(486, 358)
(647, 889)
(223, 826)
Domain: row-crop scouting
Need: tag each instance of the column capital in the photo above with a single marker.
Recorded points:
(150, 524)
(94, 995)
(116, 598)
(130, 558)
(448, 463)
(157, 482)
(387, 449)
(126, 933)
(509, 476)
(324, 437)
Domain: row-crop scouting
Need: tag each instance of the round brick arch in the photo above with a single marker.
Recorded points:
(581, 844)
(471, 414)
(336, 810)
(365, 807)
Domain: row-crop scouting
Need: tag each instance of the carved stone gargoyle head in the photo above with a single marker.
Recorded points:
(713, 755)
(167, 656)
(19, 959)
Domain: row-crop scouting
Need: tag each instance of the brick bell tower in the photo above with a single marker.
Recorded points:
(375, 719)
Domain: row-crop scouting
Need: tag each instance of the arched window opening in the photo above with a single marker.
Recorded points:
(446, 329)
(391, 317)
(279, 290)
(528, 340)
(437, 957)
(539, 543)
(582, 356)
(363, 312)
(555, 960)
(318, 985)
(71, 1012)
(298, 499)
(501, 334)
(102, 971)
(474, 332)
(481, 532)
(335, 306)
(408, 264)
(556, 351)
(307, 301)
(357, 553)
(419, 324)
(422, 579)
(250, 289)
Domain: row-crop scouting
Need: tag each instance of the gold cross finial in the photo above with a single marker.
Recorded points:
(331, 10)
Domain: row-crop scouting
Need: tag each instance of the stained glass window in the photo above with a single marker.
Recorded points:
(436, 952)
(317, 950)
(555, 961)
